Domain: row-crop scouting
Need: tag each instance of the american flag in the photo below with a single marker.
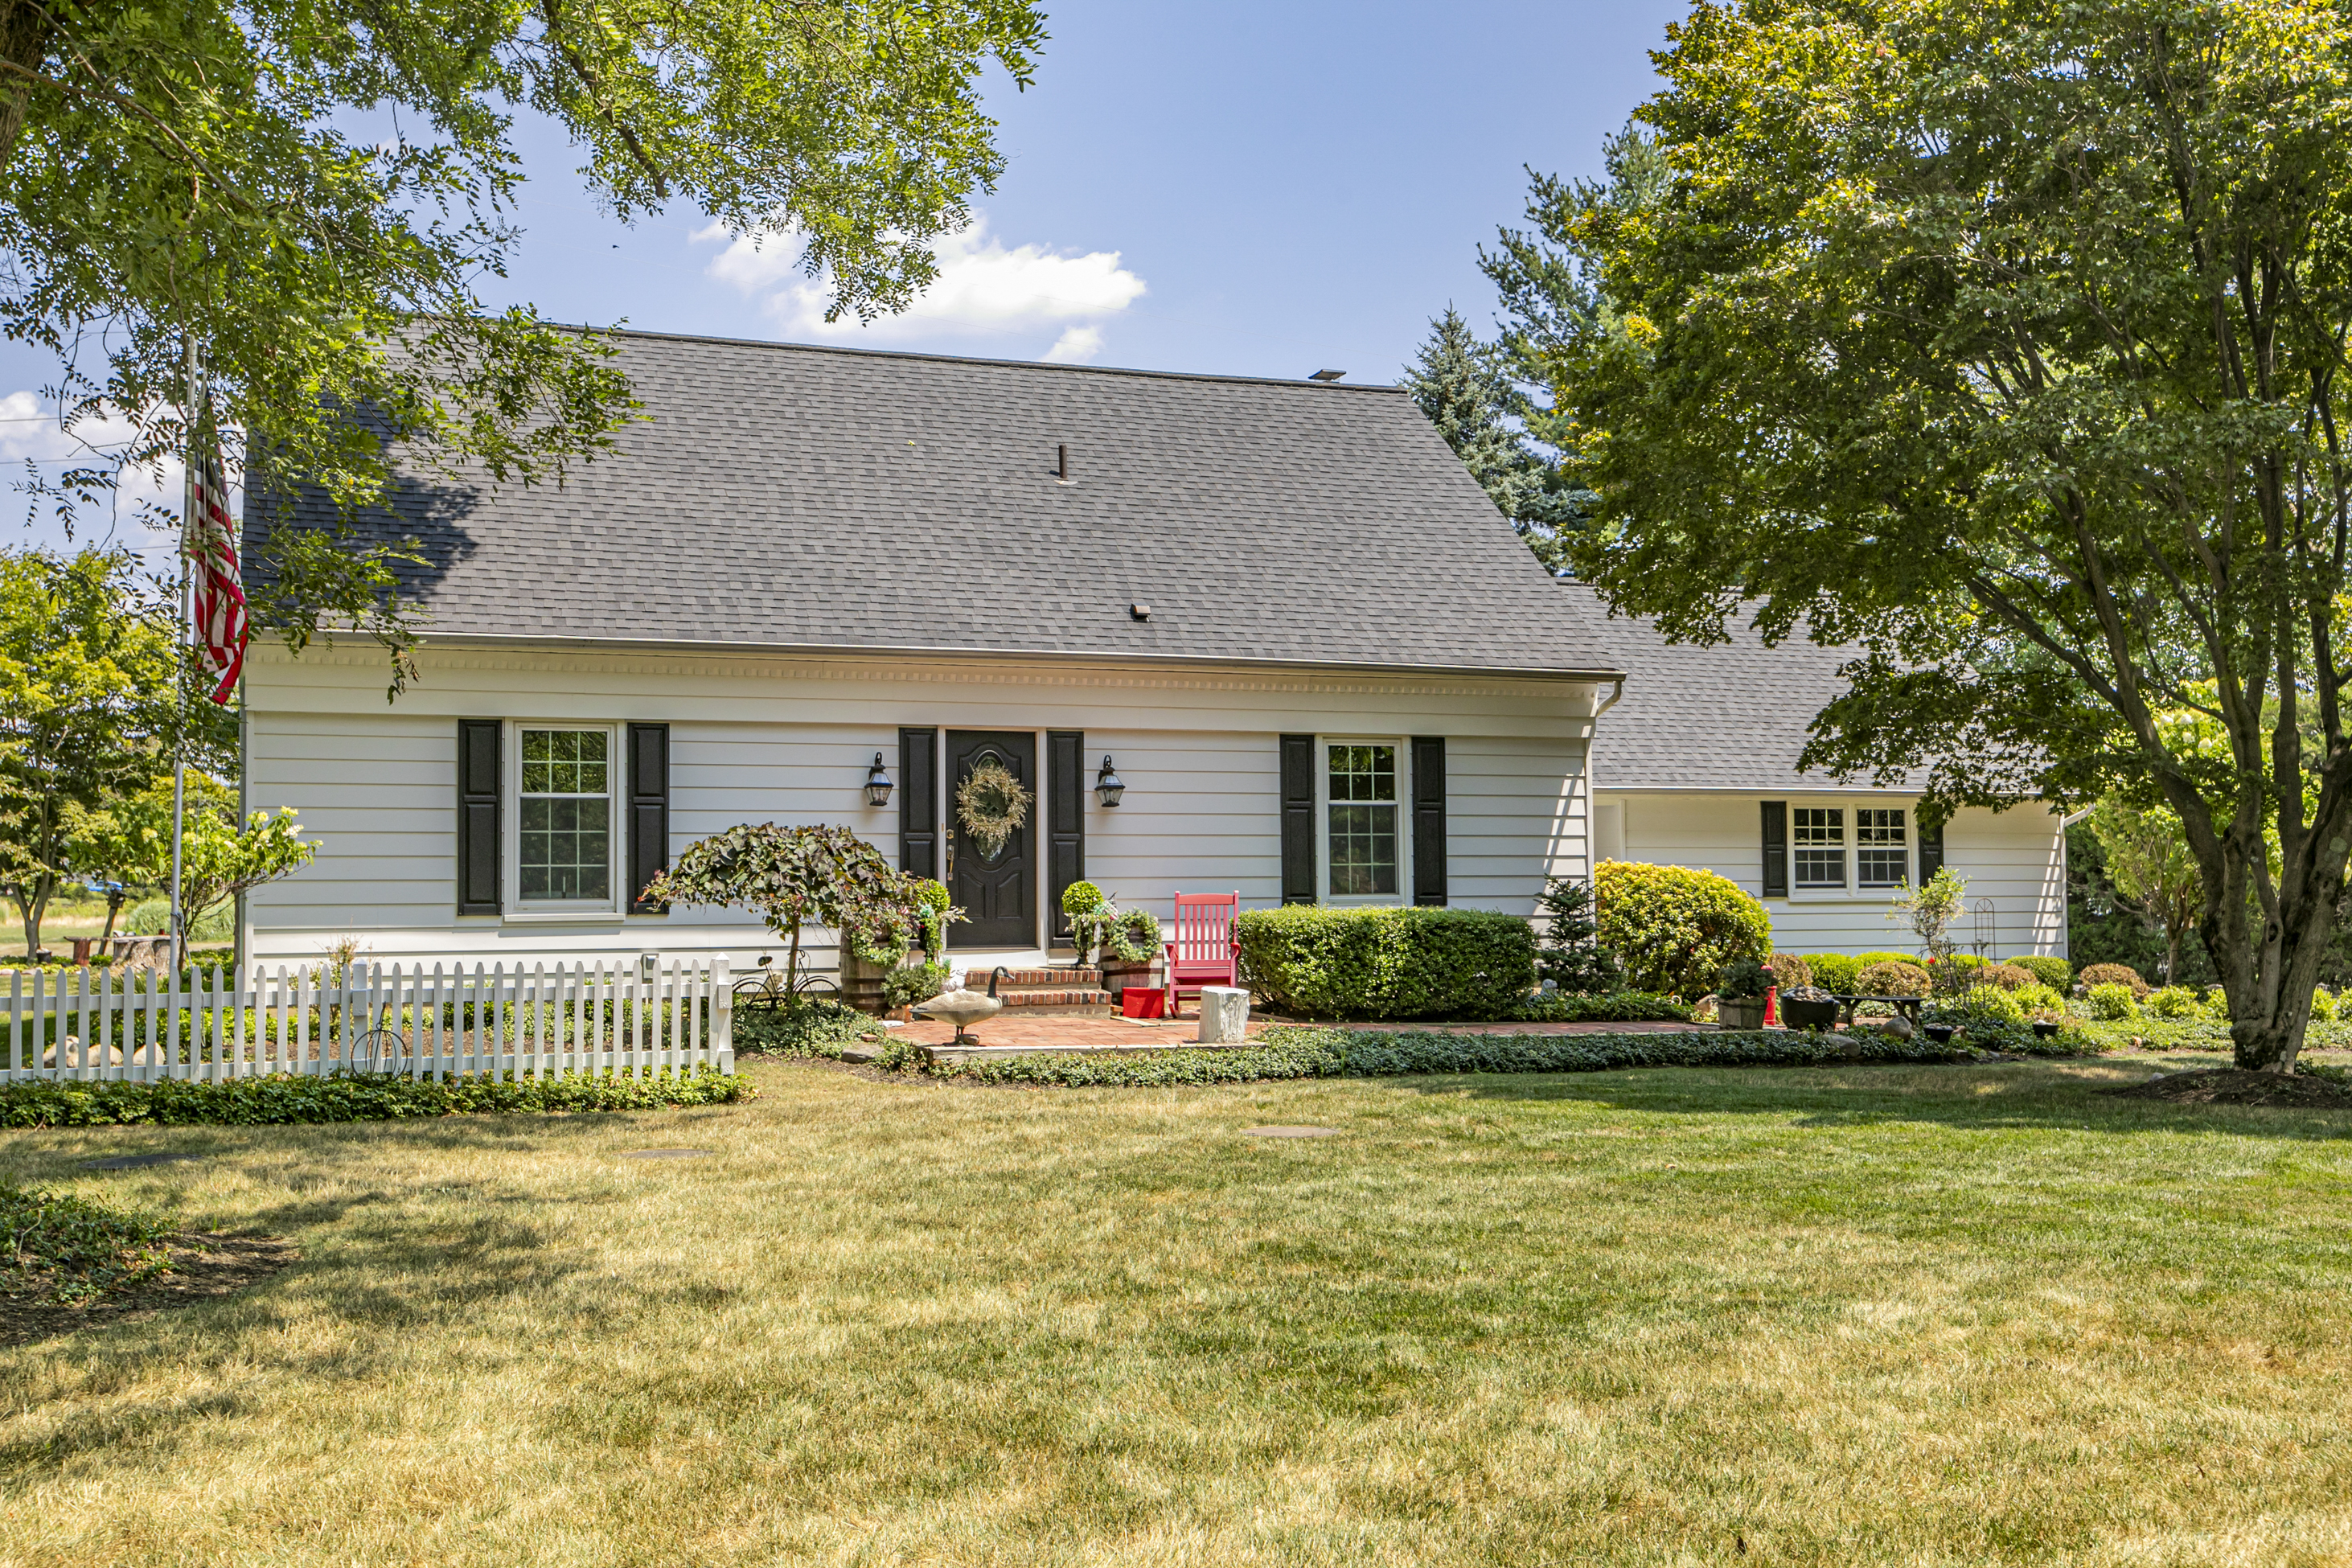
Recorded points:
(212, 549)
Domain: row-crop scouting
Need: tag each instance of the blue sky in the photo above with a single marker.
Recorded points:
(1251, 188)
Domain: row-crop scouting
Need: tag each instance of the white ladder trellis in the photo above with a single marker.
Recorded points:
(599, 1017)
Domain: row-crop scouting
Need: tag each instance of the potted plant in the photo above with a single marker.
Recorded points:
(1740, 995)
(1807, 1007)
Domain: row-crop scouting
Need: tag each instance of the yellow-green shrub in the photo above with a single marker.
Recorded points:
(2038, 1000)
(1833, 970)
(1674, 929)
(1991, 1005)
(2055, 972)
(2112, 999)
(2173, 1002)
(2324, 1005)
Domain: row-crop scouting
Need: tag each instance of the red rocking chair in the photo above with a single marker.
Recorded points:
(1205, 951)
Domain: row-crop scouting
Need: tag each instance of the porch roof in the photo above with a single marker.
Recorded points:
(786, 496)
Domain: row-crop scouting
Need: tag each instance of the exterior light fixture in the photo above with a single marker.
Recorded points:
(878, 783)
(1108, 787)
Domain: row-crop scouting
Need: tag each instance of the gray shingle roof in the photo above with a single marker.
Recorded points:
(1730, 716)
(795, 496)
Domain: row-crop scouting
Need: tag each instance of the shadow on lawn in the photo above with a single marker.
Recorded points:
(2055, 1095)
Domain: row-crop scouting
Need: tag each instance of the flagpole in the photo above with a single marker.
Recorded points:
(181, 633)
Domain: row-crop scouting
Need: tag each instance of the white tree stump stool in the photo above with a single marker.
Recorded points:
(1225, 1014)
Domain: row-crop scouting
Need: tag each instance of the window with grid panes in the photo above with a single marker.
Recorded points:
(1363, 819)
(1819, 843)
(565, 816)
(1882, 849)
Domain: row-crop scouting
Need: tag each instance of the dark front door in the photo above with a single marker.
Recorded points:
(996, 891)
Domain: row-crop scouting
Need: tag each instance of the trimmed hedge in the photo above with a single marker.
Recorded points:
(2055, 972)
(280, 1101)
(1833, 970)
(1674, 929)
(1307, 1052)
(1388, 962)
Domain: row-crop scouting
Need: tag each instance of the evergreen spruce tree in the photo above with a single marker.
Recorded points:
(1467, 388)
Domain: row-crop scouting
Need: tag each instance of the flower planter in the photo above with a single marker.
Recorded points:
(1802, 1015)
(861, 984)
(1739, 1012)
(1117, 976)
(1940, 1033)
(2045, 1030)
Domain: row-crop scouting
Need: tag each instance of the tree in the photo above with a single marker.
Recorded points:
(2149, 866)
(792, 875)
(121, 846)
(221, 858)
(1930, 909)
(1568, 952)
(2006, 342)
(1465, 387)
(191, 178)
(89, 706)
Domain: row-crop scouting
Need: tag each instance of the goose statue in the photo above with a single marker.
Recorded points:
(964, 1008)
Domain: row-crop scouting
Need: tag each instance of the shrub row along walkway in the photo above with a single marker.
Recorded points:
(1011, 1032)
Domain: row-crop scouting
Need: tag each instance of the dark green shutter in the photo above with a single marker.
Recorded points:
(648, 813)
(1429, 819)
(1066, 821)
(1776, 848)
(1931, 850)
(1298, 819)
(478, 889)
(918, 801)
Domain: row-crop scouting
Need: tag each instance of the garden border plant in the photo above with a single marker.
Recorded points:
(286, 1099)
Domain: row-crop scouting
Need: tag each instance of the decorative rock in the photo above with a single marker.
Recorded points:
(67, 1053)
(1225, 1014)
(1898, 1026)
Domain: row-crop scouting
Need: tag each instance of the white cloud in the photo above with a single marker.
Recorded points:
(983, 290)
(29, 432)
(1076, 345)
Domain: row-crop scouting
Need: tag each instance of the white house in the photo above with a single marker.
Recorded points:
(1697, 765)
(1281, 612)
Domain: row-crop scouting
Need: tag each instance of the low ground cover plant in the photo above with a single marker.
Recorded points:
(1311, 1051)
(289, 1099)
(56, 1249)
(1313, 962)
(811, 1026)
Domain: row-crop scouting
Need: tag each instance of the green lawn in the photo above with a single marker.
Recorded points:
(1937, 1315)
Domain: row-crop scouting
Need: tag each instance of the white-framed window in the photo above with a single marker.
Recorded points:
(1882, 852)
(1840, 849)
(563, 833)
(1365, 829)
(1818, 832)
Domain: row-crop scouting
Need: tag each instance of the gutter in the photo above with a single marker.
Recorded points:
(838, 650)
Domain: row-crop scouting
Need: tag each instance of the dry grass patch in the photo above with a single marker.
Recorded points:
(1927, 1316)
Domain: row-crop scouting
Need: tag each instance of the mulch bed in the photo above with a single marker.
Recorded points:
(204, 1266)
(2229, 1085)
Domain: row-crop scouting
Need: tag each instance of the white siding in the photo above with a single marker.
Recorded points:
(2013, 859)
(755, 739)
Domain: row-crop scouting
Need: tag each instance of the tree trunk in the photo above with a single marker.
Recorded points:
(25, 28)
(2269, 971)
(114, 902)
(31, 905)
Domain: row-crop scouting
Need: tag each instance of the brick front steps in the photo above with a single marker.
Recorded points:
(1047, 993)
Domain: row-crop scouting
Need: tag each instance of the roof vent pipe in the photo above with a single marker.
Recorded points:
(1062, 463)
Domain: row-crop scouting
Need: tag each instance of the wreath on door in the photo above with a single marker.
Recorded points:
(991, 806)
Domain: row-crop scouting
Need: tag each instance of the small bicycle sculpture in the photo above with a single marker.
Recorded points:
(767, 988)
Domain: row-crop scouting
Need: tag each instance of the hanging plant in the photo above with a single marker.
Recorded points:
(991, 806)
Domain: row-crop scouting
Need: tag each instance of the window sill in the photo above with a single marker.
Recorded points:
(563, 917)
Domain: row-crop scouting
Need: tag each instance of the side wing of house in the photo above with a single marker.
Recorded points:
(504, 806)
(1837, 862)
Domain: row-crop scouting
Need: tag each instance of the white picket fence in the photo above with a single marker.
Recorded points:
(582, 1016)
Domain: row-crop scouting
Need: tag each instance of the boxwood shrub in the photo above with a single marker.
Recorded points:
(1387, 961)
(1674, 929)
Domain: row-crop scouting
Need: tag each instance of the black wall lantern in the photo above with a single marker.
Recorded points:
(1108, 787)
(878, 783)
